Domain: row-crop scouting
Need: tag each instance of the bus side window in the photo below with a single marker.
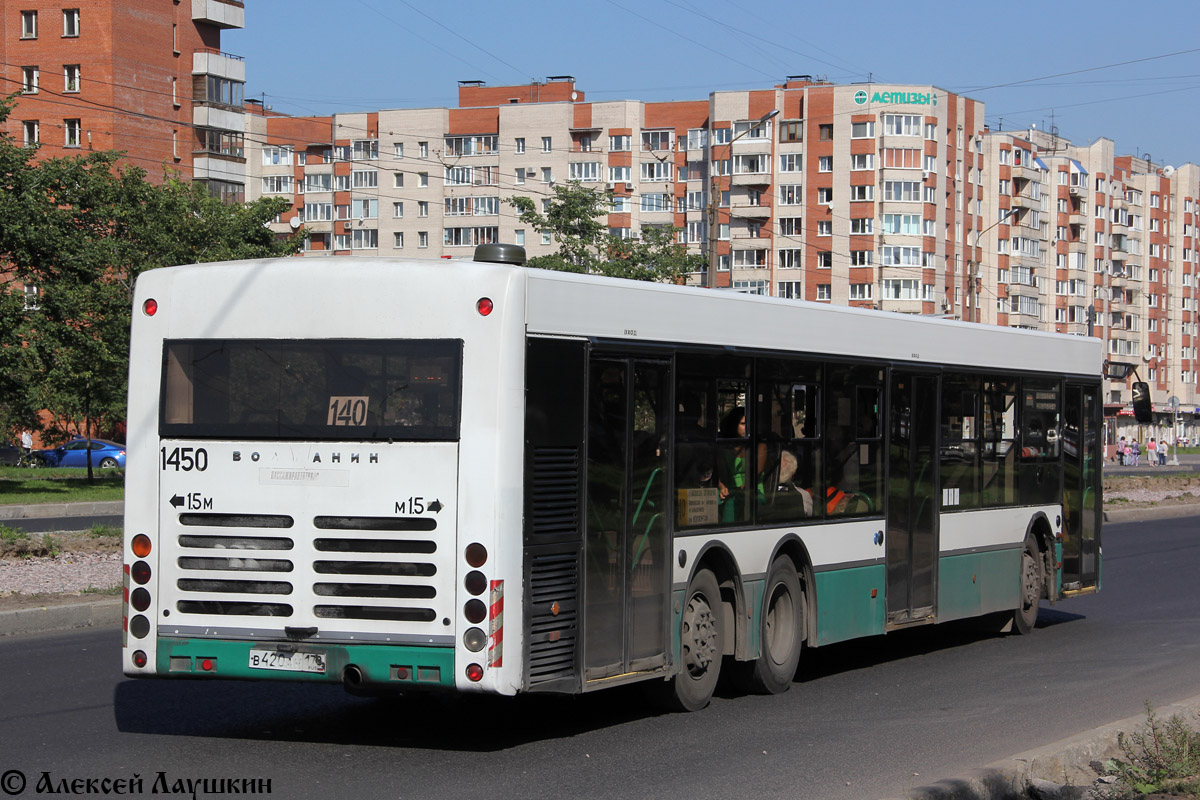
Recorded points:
(854, 464)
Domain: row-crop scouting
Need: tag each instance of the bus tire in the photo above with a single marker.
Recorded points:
(781, 632)
(700, 645)
(1026, 614)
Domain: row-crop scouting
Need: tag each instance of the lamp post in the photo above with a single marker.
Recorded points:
(971, 293)
(714, 195)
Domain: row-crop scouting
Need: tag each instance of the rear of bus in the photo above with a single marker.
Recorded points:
(318, 470)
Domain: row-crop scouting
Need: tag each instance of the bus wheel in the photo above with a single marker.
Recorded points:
(1025, 617)
(700, 645)
(781, 633)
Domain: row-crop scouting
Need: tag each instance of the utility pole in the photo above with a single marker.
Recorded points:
(714, 193)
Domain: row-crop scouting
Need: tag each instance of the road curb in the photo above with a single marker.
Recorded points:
(41, 510)
(1147, 513)
(1065, 761)
(102, 613)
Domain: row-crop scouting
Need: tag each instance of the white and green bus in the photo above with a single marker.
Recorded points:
(405, 475)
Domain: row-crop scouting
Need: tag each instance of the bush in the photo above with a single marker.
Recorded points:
(1164, 757)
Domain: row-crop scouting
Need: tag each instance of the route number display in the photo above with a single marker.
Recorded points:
(347, 411)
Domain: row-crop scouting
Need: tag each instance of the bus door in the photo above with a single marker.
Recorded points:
(626, 569)
(912, 517)
(1081, 492)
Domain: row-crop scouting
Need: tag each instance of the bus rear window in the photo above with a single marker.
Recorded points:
(322, 389)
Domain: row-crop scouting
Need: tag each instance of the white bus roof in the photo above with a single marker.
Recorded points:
(362, 297)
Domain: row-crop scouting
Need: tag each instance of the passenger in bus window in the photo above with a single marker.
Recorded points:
(733, 469)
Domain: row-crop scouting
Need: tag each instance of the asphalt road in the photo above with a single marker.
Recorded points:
(869, 719)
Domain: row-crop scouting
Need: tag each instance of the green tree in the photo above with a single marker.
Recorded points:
(576, 219)
(81, 229)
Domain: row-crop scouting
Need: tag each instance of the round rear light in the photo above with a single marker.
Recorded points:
(140, 545)
(474, 639)
(484, 306)
(475, 582)
(139, 626)
(150, 307)
(475, 611)
(139, 658)
(476, 555)
(474, 673)
(140, 572)
(140, 599)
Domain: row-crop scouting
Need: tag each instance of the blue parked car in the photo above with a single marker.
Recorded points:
(105, 454)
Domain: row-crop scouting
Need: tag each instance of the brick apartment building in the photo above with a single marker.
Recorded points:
(144, 76)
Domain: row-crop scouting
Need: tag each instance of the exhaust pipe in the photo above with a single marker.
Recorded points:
(352, 678)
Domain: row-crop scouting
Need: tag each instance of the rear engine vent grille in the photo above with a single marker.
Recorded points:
(553, 617)
(554, 494)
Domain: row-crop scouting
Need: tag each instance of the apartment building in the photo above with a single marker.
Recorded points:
(142, 76)
(864, 195)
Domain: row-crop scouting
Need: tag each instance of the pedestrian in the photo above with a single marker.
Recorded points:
(1135, 451)
(26, 441)
(1162, 454)
(1122, 451)
(1152, 452)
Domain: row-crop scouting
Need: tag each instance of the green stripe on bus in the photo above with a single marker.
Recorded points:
(978, 583)
(845, 605)
(393, 665)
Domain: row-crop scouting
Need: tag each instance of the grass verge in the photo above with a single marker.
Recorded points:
(20, 486)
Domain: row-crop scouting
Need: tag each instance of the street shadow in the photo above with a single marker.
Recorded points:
(311, 713)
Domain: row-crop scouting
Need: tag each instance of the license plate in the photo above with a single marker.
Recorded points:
(287, 662)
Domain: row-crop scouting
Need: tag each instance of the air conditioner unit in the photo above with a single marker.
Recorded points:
(925, 175)
(629, 187)
(612, 185)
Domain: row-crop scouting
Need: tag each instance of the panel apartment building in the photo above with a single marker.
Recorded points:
(143, 76)
(862, 195)
(1087, 242)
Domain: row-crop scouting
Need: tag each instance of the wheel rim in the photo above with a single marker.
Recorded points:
(108, 463)
(780, 625)
(699, 636)
(1031, 582)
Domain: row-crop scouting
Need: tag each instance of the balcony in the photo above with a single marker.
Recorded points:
(223, 65)
(206, 167)
(220, 118)
(751, 178)
(750, 212)
(221, 13)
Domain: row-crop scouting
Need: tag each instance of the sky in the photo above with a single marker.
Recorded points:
(1126, 71)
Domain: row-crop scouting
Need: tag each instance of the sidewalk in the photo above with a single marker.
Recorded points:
(44, 510)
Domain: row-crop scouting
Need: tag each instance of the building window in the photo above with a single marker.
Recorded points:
(862, 130)
(789, 258)
(422, 178)
(276, 184)
(824, 291)
(862, 161)
(620, 144)
(365, 149)
(902, 125)
(861, 258)
(398, 210)
(825, 163)
(658, 140)
(520, 175)
(71, 133)
(398, 239)
(422, 239)
(791, 162)
(422, 208)
(825, 259)
(365, 179)
(365, 239)
(546, 235)
(860, 291)
(30, 127)
(547, 144)
(860, 225)
(70, 77)
(70, 22)
(859, 193)
(398, 149)
(825, 132)
(519, 145)
(547, 176)
(824, 227)
(423, 149)
(29, 80)
(28, 24)
(519, 237)
(825, 195)
(791, 131)
(175, 39)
